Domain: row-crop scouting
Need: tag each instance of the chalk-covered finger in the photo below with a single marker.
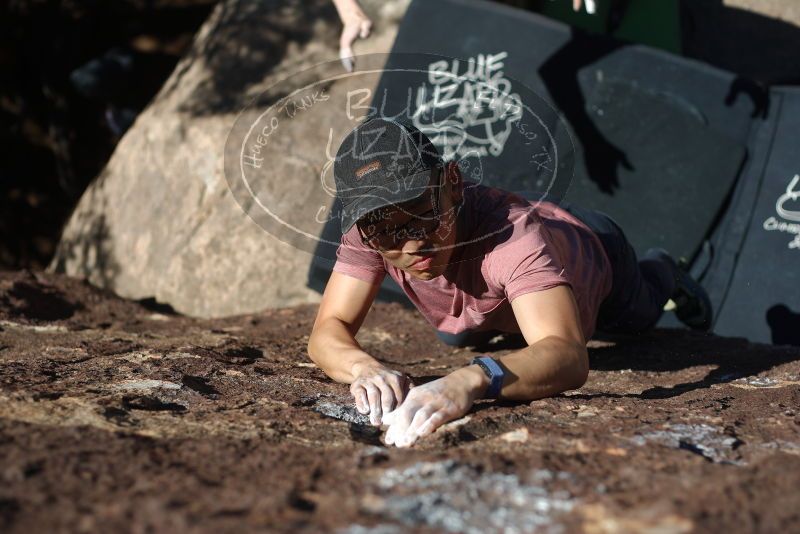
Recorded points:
(374, 397)
(410, 435)
(400, 421)
(397, 383)
(419, 418)
(360, 397)
(387, 396)
(432, 423)
(388, 418)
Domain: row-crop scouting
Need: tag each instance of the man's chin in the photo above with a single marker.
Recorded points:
(424, 275)
(428, 274)
(436, 266)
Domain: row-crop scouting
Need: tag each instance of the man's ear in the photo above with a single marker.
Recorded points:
(454, 181)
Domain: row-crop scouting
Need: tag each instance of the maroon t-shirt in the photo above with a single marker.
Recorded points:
(513, 247)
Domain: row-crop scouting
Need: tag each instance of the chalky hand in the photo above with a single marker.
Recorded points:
(427, 407)
(378, 390)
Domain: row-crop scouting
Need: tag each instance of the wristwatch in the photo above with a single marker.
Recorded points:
(495, 373)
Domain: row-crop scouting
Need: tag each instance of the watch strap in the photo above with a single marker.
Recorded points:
(495, 373)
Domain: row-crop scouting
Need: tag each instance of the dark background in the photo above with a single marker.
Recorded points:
(54, 131)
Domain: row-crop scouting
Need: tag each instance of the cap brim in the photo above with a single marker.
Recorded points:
(369, 200)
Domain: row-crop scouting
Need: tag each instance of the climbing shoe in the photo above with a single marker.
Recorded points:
(691, 303)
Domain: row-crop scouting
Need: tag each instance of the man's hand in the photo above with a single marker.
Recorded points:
(431, 405)
(378, 390)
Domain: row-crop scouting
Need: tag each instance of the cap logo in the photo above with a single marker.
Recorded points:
(368, 168)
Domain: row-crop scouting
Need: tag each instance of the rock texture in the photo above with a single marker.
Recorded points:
(161, 221)
(121, 416)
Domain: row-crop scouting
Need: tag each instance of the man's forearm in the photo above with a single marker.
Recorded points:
(546, 368)
(334, 349)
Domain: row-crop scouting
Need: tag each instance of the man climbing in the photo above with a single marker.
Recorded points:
(476, 261)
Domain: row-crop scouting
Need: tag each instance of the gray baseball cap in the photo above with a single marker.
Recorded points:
(382, 162)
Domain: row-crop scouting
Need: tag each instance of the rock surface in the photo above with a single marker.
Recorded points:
(121, 416)
(160, 220)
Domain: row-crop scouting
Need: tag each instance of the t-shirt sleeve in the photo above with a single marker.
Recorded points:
(355, 259)
(527, 262)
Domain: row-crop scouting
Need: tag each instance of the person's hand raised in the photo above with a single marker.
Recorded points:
(356, 25)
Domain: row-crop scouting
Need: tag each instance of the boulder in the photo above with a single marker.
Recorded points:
(162, 221)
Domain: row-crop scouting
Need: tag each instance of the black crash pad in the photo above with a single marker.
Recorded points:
(754, 275)
(671, 118)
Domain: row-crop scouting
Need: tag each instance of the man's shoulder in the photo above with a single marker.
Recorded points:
(482, 196)
(491, 209)
(503, 229)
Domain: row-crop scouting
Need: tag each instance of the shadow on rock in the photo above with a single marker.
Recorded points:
(32, 298)
(784, 324)
(664, 351)
(245, 41)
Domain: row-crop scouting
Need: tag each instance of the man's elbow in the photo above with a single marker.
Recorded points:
(310, 347)
(313, 345)
(580, 368)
